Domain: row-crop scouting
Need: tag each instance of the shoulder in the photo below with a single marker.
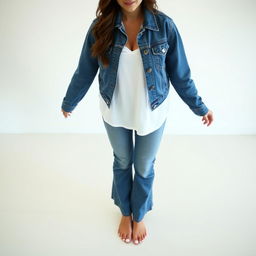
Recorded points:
(163, 18)
(95, 19)
(91, 25)
(165, 23)
(93, 22)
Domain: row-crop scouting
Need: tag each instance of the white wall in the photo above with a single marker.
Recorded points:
(41, 43)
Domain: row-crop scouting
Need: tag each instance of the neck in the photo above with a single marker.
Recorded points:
(131, 16)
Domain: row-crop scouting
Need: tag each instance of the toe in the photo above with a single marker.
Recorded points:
(127, 240)
(136, 240)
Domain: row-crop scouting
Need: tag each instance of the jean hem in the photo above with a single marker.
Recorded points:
(138, 219)
(123, 212)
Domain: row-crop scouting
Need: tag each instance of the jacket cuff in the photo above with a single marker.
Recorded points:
(201, 111)
(66, 107)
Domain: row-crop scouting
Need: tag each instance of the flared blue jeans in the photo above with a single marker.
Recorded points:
(133, 194)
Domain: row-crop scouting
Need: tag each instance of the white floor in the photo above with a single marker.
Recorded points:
(55, 197)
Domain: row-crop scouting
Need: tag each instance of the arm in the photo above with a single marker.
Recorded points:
(83, 75)
(179, 72)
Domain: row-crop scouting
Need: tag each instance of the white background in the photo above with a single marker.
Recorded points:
(41, 42)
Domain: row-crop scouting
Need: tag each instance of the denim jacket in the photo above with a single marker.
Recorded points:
(163, 58)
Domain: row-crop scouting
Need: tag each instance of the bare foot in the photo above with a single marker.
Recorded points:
(125, 228)
(139, 232)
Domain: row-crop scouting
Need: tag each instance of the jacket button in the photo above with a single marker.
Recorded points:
(154, 106)
(149, 70)
(146, 51)
(151, 87)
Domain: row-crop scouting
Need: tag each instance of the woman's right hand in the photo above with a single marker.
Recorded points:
(66, 114)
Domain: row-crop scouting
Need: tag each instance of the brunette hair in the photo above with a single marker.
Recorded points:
(103, 30)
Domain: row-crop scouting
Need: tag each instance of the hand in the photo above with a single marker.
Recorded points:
(208, 118)
(66, 114)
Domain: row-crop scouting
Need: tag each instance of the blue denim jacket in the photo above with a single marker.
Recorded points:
(163, 57)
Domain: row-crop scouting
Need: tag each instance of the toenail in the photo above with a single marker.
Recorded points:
(136, 241)
(127, 240)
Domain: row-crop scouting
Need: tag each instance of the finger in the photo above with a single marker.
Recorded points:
(211, 120)
(206, 120)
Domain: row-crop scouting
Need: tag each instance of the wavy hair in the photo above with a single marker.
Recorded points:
(103, 30)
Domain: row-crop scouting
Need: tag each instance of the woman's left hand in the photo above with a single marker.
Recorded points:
(208, 118)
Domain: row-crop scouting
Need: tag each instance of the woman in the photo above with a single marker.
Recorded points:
(138, 51)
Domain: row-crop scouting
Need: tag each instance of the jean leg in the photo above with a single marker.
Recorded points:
(145, 151)
(122, 144)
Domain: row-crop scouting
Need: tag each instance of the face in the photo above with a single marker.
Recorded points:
(129, 5)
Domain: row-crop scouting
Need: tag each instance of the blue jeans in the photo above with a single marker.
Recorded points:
(133, 196)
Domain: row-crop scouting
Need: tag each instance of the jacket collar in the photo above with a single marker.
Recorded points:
(149, 20)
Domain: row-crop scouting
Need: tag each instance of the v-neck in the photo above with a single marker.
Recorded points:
(130, 49)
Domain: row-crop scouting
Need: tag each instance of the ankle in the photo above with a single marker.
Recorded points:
(138, 222)
(126, 217)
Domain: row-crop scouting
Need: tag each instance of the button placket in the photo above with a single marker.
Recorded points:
(152, 87)
(146, 51)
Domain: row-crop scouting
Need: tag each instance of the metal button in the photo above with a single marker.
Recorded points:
(146, 51)
(151, 87)
(163, 50)
(154, 106)
(149, 70)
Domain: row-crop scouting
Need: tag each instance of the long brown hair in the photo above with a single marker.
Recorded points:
(103, 31)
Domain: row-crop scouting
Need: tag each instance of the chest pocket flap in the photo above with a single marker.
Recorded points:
(160, 49)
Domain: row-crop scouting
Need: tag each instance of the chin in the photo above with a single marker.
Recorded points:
(130, 8)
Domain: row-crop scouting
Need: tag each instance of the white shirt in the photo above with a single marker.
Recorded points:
(130, 106)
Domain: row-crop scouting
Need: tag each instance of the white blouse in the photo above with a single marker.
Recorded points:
(130, 106)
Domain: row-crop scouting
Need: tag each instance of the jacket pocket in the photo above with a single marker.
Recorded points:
(159, 54)
(160, 49)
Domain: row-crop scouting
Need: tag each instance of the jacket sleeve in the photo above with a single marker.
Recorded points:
(179, 72)
(83, 76)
